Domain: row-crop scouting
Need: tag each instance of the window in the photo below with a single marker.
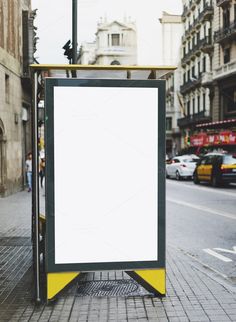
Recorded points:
(226, 55)
(188, 108)
(204, 64)
(193, 71)
(198, 104)
(235, 13)
(204, 101)
(115, 62)
(229, 99)
(115, 40)
(193, 102)
(199, 68)
(230, 159)
(7, 88)
(168, 123)
(188, 74)
(226, 18)
(176, 160)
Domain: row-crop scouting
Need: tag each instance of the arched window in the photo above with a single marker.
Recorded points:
(115, 62)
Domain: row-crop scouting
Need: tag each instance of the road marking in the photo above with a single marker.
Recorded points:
(202, 208)
(213, 190)
(215, 254)
(224, 250)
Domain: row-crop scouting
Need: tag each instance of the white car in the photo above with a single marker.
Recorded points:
(181, 167)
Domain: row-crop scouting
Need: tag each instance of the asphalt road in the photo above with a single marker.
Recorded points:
(201, 222)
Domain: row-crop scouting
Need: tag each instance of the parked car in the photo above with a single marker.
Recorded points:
(181, 167)
(216, 168)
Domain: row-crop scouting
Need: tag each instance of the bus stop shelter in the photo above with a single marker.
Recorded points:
(109, 121)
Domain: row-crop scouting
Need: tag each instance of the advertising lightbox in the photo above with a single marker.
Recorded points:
(105, 174)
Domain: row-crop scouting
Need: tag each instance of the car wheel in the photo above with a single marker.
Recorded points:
(214, 181)
(167, 176)
(195, 178)
(178, 176)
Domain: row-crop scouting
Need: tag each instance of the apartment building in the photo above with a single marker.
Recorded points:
(196, 62)
(16, 53)
(209, 72)
(224, 62)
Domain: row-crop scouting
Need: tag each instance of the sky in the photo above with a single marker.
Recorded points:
(54, 25)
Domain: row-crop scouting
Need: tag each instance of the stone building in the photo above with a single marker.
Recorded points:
(209, 70)
(171, 43)
(16, 36)
(223, 77)
(115, 44)
(197, 55)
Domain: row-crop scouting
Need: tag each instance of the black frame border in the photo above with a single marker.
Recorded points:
(51, 266)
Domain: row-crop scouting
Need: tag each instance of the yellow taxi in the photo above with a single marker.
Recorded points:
(216, 168)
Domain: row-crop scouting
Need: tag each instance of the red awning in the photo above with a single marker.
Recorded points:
(217, 124)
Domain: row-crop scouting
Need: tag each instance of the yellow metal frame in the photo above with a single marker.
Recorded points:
(98, 67)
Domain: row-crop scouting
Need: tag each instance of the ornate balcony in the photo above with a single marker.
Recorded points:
(225, 34)
(207, 79)
(207, 45)
(192, 120)
(195, 51)
(222, 3)
(206, 13)
(225, 70)
(190, 84)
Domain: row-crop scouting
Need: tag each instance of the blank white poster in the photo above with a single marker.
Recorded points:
(105, 168)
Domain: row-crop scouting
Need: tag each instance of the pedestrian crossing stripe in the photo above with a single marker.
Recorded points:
(56, 282)
(152, 280)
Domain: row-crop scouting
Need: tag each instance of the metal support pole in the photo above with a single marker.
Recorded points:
(74, 34)
(35, 193)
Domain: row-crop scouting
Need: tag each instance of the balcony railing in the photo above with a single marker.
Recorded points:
(225, 70)
(226, 33)
(190, 84)
(205, 14)
(207, 44)
(222, 2)
(194, 119)
(207, 79)
(193, 52)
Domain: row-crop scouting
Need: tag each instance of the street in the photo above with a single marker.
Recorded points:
(200, 266)
(201, 223)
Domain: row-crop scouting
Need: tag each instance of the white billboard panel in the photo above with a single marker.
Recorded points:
(105, 174)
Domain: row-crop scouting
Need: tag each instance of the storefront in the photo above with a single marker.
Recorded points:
(215, 136)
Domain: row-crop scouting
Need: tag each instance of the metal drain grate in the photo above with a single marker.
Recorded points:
(15, 241)
(110, 288)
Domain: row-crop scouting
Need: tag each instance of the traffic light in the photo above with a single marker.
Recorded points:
(68, 50)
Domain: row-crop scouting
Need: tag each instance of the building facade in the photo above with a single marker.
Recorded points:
(115, 44)
(224, 62)
(171, 44)
(16, 32)
(208, 72)
(197, 56)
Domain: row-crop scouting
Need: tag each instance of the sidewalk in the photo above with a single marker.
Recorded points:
(193, 293)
